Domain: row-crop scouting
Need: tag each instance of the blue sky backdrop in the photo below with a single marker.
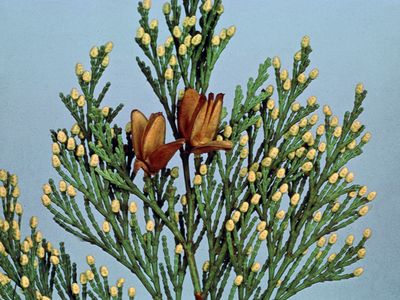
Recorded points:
(352, 40)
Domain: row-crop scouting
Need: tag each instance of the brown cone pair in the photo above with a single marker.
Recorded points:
(198, 121)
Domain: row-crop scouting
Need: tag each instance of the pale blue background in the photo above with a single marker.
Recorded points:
(353, 41)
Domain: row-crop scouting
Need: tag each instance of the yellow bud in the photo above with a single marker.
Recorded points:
(78, 69)
(251, 177)
(177, 32)
(187, 41)
(192, 21)
(179, 249)
(243, 172)
(182, 50)
(108, 47)
(261, 226)
(106, 227)
(331, 257)
(255, 199)
(238, 280)
(75, 288)
(166, 8)
(371, 196)
(244, 207)
(281, 173)
(222, 34)
(307, 166)
(270, 104)
(294, 130)
(335, 207)
(311, 154)
(305, 41)
(263, 235)
(150, 225)
(46, 200)
(362, 191)
(283, 75)
(361, 253)
(105, 61)
(80, 151)
(61, 136)
(294, 200)
(33, 222)
(367, 233)
(322, 147)
(75, 129)
(255, 267)
(103, 271)
(207, 6)
(244, 153)
(317, 217)
(169, 42)
(153, 24)
(94, 160)
(132, 207)
(81, 101)
(355, 126)
(280, 214)
(363, 210)
(276, 62)
(196, 40)
(303, 123)
(349, 240)
(349, 177)
(332, 239)
(54, 260)
(74, 94)
(359, 88)
(297, 56)
(284, 188)
(139, 33)
(243, 140)
(236, 216)
(215, 41)
(229, 225)
(266, 162)
(83, 278)
(115, 206)
(131, 292)
(71, 191)
(120, 282)
(321, 242)
(3, 192)
(87, 76)
(89, 275)
(160, 51)
(302, 78)
(18, 207)
(314, 74)
(71, 144)
(183, 200)
(38, 237)
(366, 137)
(358, 272)
(146, 39)
(287, 85)
(227, 131)
(197, 179)
(273, 152)
(24, 282)
(327, 110)
(220, 9)
(231, 31)
(146, 4)
(90, 260)
(206, 266)
(333, 178)
(94, 52)
(169, 74)
(23, 260)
